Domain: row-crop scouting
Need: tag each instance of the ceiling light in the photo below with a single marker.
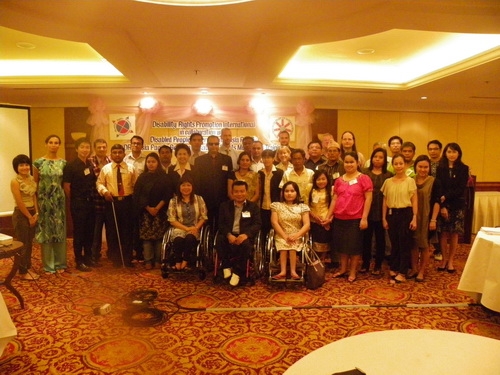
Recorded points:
(365, 51)
(147, 103)
(423, 97)
(193, 2)
(403, 59)
(25, 45)
(203, 106)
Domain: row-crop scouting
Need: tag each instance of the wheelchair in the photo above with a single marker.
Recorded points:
(198, 265)
(255, 263)
(272, 260)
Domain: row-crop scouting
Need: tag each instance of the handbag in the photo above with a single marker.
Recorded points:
(315, 269)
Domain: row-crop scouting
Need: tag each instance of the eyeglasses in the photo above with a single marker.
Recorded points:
(213, 144)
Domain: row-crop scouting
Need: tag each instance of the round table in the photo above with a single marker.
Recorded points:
(13, 250)
(405, 352)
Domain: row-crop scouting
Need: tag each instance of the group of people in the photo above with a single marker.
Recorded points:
(336, 195)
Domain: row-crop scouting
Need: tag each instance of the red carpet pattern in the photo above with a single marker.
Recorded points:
(214, 329)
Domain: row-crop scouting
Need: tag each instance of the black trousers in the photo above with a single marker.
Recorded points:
(401, 236)
(124, 221)
(374, 227)
(83, 215)
(185, 248)
(234, 256)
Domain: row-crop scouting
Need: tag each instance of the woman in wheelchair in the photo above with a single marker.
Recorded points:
(290, 220)
(187, 213)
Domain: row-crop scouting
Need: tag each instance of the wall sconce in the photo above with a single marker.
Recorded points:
(147, 102)
(203, 107)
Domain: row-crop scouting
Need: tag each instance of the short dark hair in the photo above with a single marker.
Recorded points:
(313, 142)
(435, 142)
(393, 138)
(240, 183)
(118, 146)
(79, 141)
(247, 137)
(298, 151)
(100, 140)
(195, 135)
(165, 146)
(137, 137)
(20, 159)
(182, 146)
(408, 144)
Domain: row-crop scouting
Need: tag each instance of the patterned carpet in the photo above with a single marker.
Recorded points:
(211, 328)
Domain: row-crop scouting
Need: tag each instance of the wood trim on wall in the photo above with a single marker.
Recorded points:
(488, 186)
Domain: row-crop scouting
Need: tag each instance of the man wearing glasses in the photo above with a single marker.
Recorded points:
(135, 158)
(211, 174)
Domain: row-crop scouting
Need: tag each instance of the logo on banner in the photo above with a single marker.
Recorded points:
(282, 123)
(122, 126)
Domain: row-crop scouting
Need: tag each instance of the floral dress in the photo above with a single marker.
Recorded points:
(51, 201)
(290, 220)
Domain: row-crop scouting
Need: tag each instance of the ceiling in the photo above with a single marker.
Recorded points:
(237, 51)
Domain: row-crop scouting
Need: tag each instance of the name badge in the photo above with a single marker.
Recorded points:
(246, 214)
(224, 168)
(336, 175)
(86, 171)
(315, 199)
(353, 182)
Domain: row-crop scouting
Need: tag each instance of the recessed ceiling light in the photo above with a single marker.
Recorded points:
(365, 51)
(25, 45)
(423, 97)
(193, 2)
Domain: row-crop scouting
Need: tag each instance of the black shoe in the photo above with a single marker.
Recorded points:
(83, 268)
(93, 263)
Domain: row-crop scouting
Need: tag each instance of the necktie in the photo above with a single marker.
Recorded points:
(121, 190)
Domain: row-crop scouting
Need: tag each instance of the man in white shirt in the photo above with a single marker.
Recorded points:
(257, 163)
(226, 148)
(135, 158)
(299, 174)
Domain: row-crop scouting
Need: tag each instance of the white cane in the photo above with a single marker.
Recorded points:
(117, 232)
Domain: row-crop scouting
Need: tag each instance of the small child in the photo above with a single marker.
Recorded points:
(319, 202)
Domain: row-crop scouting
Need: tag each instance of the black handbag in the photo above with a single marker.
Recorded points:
(315, 269)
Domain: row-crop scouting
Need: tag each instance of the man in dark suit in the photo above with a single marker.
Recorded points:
(239, 224)
(211, 173)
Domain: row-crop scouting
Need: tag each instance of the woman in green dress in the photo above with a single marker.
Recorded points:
(51, 230)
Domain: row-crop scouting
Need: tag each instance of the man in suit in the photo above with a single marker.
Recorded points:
(239, 224)
(211, 173)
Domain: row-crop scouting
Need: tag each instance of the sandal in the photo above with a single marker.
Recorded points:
(295, 277)
(339, 274)
(351, 279)
(278, 277)
(30, 276)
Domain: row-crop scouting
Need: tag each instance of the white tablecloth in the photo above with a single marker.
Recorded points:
(481, 276)
(486, 210)
(7, 329)
(405, 352)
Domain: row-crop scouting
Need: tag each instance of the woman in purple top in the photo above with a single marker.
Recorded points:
(352, 197)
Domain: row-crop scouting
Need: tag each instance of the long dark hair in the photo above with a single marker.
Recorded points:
(328, 187)
(383, 151)
(295, 187)
(443, 162)
(243, 153)
(355, 156)
(155, 156)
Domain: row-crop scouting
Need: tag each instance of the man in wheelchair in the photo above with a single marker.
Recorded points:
(239, 224)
